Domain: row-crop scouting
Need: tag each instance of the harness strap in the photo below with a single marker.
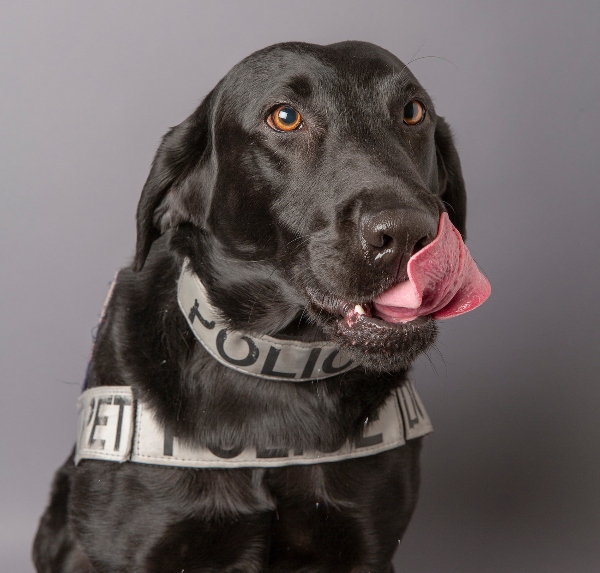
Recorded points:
(115, 426)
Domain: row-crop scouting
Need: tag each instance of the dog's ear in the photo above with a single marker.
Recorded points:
(450, 179)
(163, 203)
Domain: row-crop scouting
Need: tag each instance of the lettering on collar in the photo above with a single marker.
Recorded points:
(262, 356)
(114, 426)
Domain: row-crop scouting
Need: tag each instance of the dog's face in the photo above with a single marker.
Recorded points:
(300, 188)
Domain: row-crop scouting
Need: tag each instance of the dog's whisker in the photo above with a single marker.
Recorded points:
(415, 59)
(435, 57)
(426, 354)
(411, 59)
(417, 52)
(449, 205)
(436, 348)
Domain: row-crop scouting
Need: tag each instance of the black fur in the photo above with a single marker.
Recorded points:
(275, 224)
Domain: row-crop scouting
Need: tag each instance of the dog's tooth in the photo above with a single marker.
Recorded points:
(358, 309)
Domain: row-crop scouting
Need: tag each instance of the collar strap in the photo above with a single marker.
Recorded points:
(262, 356)
(114, 426)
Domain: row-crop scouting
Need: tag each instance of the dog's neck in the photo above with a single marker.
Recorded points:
(258, 355)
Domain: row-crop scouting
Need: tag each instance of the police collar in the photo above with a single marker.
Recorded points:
(115, 426)
(257, 355)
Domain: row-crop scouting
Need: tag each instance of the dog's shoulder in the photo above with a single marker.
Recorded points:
(142, 330)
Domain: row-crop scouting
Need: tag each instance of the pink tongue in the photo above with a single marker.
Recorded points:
(443, 280)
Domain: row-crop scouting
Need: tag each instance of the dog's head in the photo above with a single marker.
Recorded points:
(300, 188)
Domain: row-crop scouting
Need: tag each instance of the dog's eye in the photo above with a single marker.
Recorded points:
(414, 112)
(284, 118)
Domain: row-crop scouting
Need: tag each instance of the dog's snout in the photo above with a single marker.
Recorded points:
(391, 236)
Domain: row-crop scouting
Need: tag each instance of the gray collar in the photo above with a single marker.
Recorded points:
(114, 426)
(262, 356)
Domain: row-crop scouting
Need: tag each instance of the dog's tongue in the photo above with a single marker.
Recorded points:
(443, 280)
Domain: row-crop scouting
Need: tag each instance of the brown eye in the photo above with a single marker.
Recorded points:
(284, 118)
(414, 112)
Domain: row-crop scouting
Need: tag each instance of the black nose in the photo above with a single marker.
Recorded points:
(390, 237)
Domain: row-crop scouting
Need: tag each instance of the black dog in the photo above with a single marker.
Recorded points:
(297, 191)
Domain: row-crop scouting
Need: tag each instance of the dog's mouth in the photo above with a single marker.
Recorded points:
(392, 328)
(372, 338)
(327, 308)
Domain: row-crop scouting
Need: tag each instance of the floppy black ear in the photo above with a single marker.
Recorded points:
(161, 204)
(451, 182)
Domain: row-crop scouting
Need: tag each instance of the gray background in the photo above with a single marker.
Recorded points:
(511, 475)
